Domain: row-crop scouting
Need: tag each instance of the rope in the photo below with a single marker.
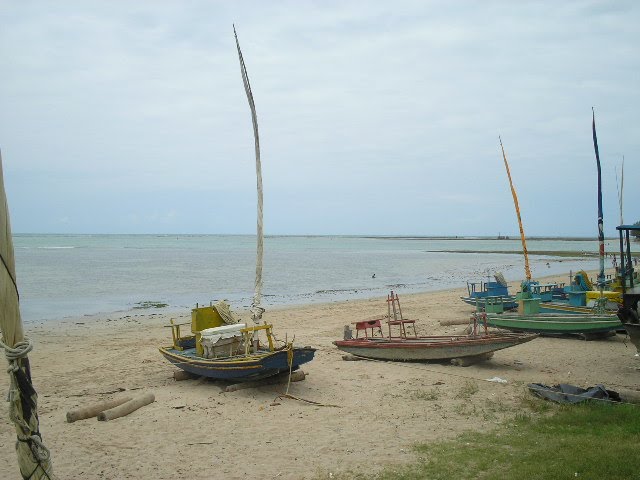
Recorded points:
(20, 350)
(38, 450)
(13, 280)
(286, 394)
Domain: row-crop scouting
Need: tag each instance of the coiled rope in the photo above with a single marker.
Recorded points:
(39, 451)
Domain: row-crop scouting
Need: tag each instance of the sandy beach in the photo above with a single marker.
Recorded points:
(194, 430)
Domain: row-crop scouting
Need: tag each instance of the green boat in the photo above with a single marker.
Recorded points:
(555, 324)
(530, 319)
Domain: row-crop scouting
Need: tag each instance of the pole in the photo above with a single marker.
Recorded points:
(527, 270)
(256, 309)
(601, 277)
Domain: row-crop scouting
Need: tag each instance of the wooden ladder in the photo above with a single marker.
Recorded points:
(394, 314)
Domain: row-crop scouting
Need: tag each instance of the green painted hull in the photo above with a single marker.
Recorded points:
(552, 324)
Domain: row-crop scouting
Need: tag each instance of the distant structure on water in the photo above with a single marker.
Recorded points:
(502, 237)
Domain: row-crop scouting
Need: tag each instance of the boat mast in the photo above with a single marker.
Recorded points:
(33, 457)
(620, 187)
(527, 270)
(256, 309)
(601, 278)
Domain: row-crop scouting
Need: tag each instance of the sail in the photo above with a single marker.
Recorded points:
(33, 457)
(527, 270)
(256, 309)
(601, 277)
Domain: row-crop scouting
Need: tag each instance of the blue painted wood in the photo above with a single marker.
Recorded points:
(240, 368)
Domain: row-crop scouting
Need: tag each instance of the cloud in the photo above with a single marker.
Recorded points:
(366, 110)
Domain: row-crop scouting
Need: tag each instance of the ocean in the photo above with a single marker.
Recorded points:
(73, 275)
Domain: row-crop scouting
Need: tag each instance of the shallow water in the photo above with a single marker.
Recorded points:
(68, 275)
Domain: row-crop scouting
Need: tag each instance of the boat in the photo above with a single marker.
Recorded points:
(588, 325)
(628, 312)
(484, 295)
(581, 297)
(220, 348)
(404, 346)
(219, 345)
(529, 318)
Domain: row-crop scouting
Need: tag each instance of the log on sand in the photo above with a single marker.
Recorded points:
(352, 358)
(93, 410)
(467, 361)
(296, 376)
(180, 375)
(126, 408)
(455, 321)
(629, 396)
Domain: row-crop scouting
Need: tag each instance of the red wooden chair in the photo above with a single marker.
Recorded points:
(366, 325)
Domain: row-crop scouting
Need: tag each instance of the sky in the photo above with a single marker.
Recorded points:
(375, 118)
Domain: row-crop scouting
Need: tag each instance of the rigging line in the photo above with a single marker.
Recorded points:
(286, 394)
(13, 280)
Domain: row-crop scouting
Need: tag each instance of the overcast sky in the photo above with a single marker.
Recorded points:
(375, 117)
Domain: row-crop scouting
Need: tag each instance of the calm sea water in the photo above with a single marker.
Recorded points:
(70, 275)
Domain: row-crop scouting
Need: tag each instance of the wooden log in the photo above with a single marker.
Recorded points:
(296, 376)
(467, 361)
(455, 321)
(629, 396)
(126, 408)
(351, 358)
(180, 375)
(93, 410)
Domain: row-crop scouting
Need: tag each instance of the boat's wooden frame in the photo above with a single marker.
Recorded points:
(404, 347)
(443, 347)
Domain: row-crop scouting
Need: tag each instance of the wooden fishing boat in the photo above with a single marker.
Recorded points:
(221, 347)
(485, 294)
(431, 347)
(580, 297)
(406, 347)
(254, 366)
(529, 317)
(234, 355)
(555, 324)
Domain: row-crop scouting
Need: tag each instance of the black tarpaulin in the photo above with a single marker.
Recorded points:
(564, 393)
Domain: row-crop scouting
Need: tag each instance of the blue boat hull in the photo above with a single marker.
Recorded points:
(239, 368)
